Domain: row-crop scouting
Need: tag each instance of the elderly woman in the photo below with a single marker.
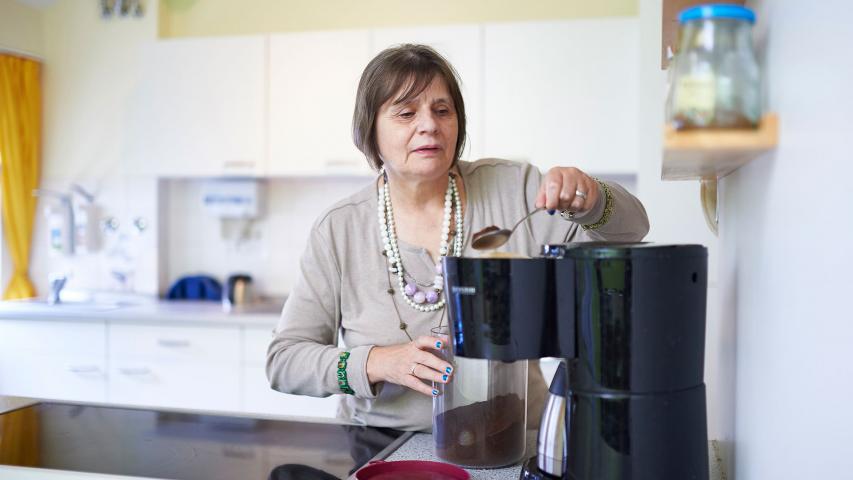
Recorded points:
(358, 320)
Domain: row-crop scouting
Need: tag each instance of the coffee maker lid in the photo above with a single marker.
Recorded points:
(603, 250)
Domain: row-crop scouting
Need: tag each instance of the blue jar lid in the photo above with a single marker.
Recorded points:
(716, 11)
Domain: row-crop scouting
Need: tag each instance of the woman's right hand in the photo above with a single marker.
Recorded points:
(410, 364)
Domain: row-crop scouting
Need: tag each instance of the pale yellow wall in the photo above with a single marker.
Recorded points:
(179, 18)
(21, 28)
(91, 67)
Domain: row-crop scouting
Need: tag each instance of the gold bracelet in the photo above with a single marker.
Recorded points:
(608, 208)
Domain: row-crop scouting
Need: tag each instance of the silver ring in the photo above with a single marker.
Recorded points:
(412, 371)
(580, 194)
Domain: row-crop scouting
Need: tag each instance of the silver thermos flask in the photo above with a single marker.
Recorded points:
(551, 442)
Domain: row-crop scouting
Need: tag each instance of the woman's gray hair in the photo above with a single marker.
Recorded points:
(410, 66)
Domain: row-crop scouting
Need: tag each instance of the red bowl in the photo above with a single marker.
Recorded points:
(411, 470)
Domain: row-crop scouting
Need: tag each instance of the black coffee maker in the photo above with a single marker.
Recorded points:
(630, 321)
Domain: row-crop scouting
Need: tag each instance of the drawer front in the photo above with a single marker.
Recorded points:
(79, 377)
(255, 344)
(167, 384)
(201, 345)
(52, 337)
(258, 397)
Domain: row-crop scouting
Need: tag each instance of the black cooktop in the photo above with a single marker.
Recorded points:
(173, 445)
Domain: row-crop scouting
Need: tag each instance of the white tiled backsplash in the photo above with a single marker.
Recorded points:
(126, 250)
(268, 248)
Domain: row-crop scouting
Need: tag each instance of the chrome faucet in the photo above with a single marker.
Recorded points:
(57, 282)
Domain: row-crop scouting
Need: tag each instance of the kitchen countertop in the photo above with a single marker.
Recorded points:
(245, 435)
(420, 447)
(26, 473)
(7, 404)
(150, 310)
(160, 443)
(416, 446)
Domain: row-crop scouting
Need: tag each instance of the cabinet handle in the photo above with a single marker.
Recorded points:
(234, 452)
(168, 343)
(341, 162)
(83, 369)
(135, 371)
(238, 164)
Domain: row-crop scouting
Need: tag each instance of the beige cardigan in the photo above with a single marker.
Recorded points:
(343, 283)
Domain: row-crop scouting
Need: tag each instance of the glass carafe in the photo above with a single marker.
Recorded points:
(480, 416)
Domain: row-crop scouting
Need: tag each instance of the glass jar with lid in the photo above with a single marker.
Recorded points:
(715, 78)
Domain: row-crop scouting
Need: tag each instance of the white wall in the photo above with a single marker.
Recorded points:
(676, 216)
(786, 258)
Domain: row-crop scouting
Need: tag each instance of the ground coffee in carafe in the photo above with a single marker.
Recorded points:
(486, 433)
(479, 417)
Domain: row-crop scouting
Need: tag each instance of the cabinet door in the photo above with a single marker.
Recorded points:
(563, 93)
(53, 359)
(313, 80)
(199, 109)
(461, 46)
(175, 366)
(258, 397)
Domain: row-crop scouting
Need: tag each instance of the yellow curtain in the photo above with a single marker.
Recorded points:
(20, 156)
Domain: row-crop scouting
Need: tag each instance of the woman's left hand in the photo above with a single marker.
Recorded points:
(564, 188)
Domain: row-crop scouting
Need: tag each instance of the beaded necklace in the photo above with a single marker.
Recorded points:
(416, 298)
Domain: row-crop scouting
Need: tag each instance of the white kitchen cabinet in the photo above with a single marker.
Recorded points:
(147, 364)
(563, 93)
(461, 45)
(163, 384)
(313, 78)
(199, 109)
(175, 366)
(258, 397)
(54, 360)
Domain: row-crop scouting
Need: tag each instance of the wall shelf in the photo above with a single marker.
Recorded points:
(708, 155)
(698, 154)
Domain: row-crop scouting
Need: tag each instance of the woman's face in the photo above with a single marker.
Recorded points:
(417, 139)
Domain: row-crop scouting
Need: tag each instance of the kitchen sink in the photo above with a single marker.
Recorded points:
(79, 302)
(40, 304)
(96, 306)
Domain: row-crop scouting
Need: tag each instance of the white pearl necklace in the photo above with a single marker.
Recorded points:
(388, 230)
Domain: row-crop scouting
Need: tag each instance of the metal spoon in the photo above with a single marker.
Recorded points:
(493, 237)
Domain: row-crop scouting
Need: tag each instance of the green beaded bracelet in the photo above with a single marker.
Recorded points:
(343, 383)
